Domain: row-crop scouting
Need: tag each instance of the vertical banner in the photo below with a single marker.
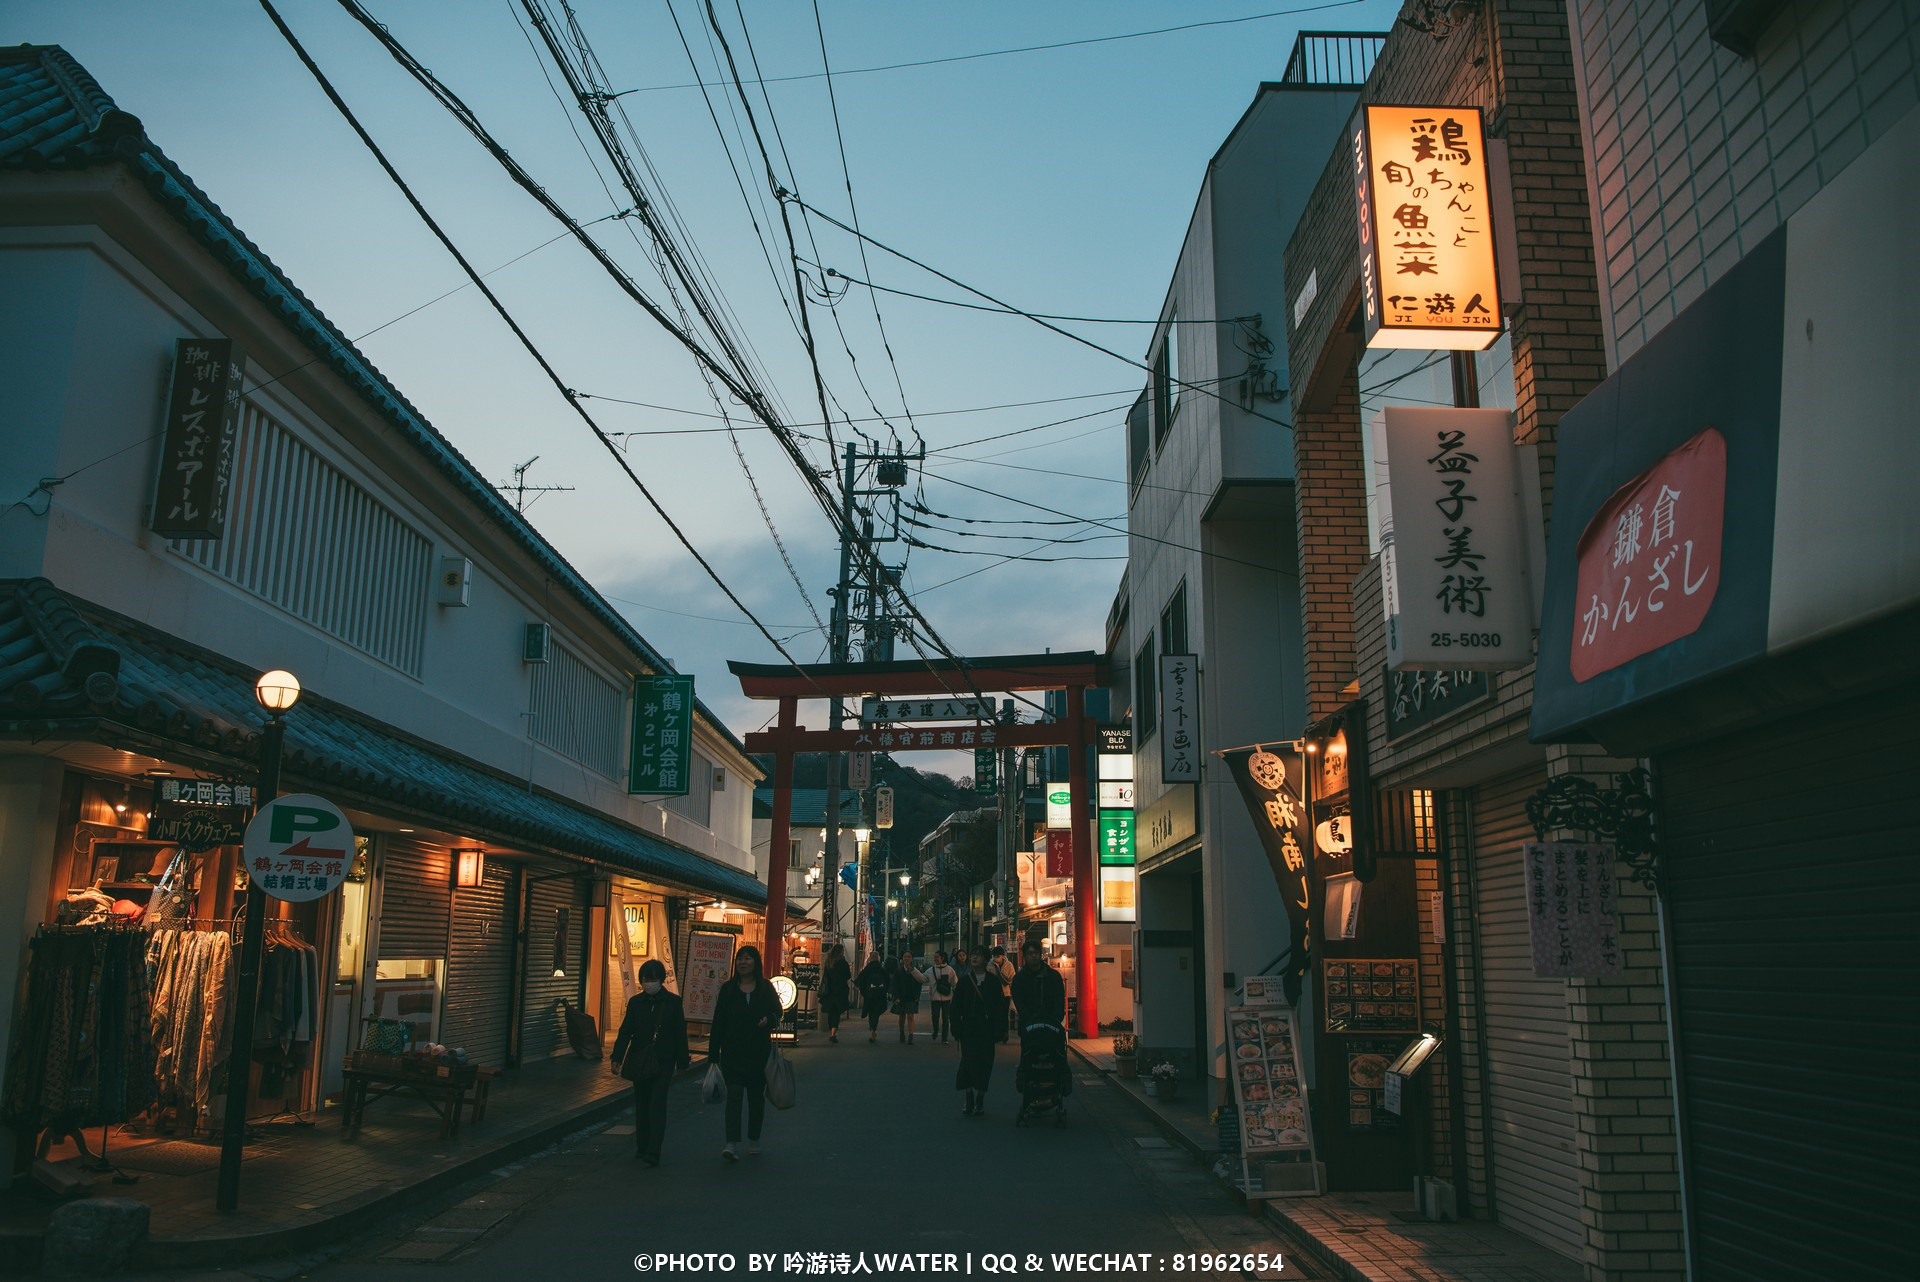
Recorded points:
(1059, 852)
(662, 734)
(883, 807)
(196, 444)
(859, 770)
(1270, 782)
(1179, 719)
(986, 770)
(1571, 922)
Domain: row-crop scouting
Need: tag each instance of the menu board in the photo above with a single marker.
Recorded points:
(1269, 1080)
(709, 963)
(1373, 995)
(1366, 1083)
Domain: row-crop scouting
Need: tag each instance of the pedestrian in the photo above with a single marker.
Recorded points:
(836, 982)
(943, 977)
(875, 985)
(1000, 1012)
(744, 1013)
(651, 1045)
(907, 982)
(974, 1004)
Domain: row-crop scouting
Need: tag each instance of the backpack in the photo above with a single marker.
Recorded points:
(943, 985)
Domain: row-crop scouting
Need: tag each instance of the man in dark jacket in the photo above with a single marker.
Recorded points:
(1038, 990)
(652, 1043)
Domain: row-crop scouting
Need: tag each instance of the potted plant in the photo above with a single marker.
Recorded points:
(1124, 1050)
(1163, 1080)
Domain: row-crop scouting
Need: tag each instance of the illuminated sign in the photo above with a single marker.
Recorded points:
(1421, 194)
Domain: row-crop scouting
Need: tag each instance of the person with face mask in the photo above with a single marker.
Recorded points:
(651, 1045)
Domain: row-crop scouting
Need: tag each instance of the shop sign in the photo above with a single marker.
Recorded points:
(1179, 719)
(1270, 783)
(1166, 823)
(859, 770)
(1115, 741)
(709, 965)
(1373, 995)
(883, 807)
(1114, 794)
(966, 738)
(1334, 836)
(1270, 1081)
(196, 444)
(199, 814)
(880, 711)
(1418, 698)
(1427, 275)
(1059, 852)
(1454, 576)
(662, 734)
(298, 847)
(1649, 560)
(1059, 806)
(1118, 891)
(1116, 838)
(1571, 918)
(986, 770)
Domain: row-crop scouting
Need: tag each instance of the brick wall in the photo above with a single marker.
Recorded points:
(1330, 508)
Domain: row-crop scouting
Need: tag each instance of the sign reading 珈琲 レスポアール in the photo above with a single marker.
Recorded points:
(662, 734)
(196, 444)
(298, 847)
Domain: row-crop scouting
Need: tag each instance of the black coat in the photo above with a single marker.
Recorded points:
(742, 1033)
(974, 1006)
(833, 986)
(655, 1020)
(874, 986)
(1041, 995)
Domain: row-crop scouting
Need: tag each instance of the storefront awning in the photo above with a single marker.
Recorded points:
(74, 671)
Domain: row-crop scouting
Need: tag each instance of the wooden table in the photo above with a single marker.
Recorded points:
(447, 1090)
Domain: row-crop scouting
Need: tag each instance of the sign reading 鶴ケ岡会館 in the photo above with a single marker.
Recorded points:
(196, 443)
(1428, 279)
(662, 734)
(1453, 578)
(1179, 719)
(1649, 560)
(298, 847)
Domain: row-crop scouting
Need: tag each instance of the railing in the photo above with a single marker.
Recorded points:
(1333, 59)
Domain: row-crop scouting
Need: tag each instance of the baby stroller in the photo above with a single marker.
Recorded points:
(1043, 1078)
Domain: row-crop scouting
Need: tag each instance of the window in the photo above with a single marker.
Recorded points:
(577, 712)
(1173, 623)
(1162, 395)
(697, 805)
(1139, 437)
(794, 857)
(1146, 691)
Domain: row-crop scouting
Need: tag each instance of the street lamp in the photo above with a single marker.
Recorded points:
(277, 691)
(894, 924)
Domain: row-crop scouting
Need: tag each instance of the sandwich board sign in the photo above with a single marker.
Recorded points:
(298, 847)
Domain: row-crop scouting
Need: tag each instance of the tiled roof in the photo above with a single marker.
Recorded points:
(69, 668)
(53, 115)
(809, 808)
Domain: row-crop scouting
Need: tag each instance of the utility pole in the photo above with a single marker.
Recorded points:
(1012, 795)
(837, 652)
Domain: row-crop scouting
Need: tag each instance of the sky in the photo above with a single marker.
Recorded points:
(1060, 180)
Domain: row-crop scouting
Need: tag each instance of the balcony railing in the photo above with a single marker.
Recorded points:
(1333, 59)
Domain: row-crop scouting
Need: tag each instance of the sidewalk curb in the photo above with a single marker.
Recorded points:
(1174, 1134)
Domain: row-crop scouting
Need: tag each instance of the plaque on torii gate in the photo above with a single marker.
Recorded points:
(970, 680)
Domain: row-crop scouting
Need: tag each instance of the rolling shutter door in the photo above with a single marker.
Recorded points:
(1529, 1077)
(545, 1030)
(480, 969)
(1792, 859)
(414, 898)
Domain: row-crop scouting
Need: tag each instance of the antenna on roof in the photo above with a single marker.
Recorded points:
(520, 489)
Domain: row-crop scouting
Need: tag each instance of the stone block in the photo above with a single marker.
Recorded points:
(94, 1236)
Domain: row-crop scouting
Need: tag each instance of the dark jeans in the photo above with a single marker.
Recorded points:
(755, 1095)
(650, 1113)
(942, 1019)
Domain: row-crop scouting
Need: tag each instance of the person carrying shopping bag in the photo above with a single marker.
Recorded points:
(651, 1046)
(744, 1013)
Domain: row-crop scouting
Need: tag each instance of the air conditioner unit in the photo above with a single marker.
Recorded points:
(456, 578)
(537, 645)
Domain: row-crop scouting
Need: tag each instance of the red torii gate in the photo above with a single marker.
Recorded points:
(1073, 673)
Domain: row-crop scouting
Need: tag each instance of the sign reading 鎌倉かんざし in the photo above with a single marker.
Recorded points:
(1428, 279)
(662, 734)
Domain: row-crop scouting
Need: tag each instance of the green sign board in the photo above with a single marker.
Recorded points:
(986, 770)
(662, 735)
(1116, 838)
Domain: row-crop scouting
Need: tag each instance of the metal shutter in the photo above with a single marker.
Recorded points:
(480, 969)
(1792, 860)
(414, 898)
(545, 1029)
(1528, 1074)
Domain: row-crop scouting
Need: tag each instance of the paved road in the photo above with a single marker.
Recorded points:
(876, 1160)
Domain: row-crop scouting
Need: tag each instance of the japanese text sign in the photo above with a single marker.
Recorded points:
(1571, 917)
(1454, 578)
(1179, 719)
(1427, 274)
(882, 736)
(1059, 847)
(883, 807)
(1116, 838)
(986, 770)
(196, 446)
(880, 710)
(859, 770)
(1271, 782)
(1118, 894)
(662, 734)
(298, 847)
(1421, 697)
(200, 814)
(1649, 561)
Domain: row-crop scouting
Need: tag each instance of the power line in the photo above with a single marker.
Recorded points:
(972, 409)
(1001, 53)
(837, 274)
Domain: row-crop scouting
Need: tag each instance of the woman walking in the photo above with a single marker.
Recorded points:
(744, 1013)
(836, 979)
(651, 1045)
(943, 977)
(906, 997)
(977, 999)
(874, 984)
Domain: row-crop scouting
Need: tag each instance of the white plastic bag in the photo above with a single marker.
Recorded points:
(779, 1080)
(713, 1087)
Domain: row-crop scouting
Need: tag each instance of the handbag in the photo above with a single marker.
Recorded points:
(713, 1087)
(647, 1062)
(779, 1080)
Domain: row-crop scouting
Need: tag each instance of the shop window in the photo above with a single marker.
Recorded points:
(409, 989)
(1146, 690)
